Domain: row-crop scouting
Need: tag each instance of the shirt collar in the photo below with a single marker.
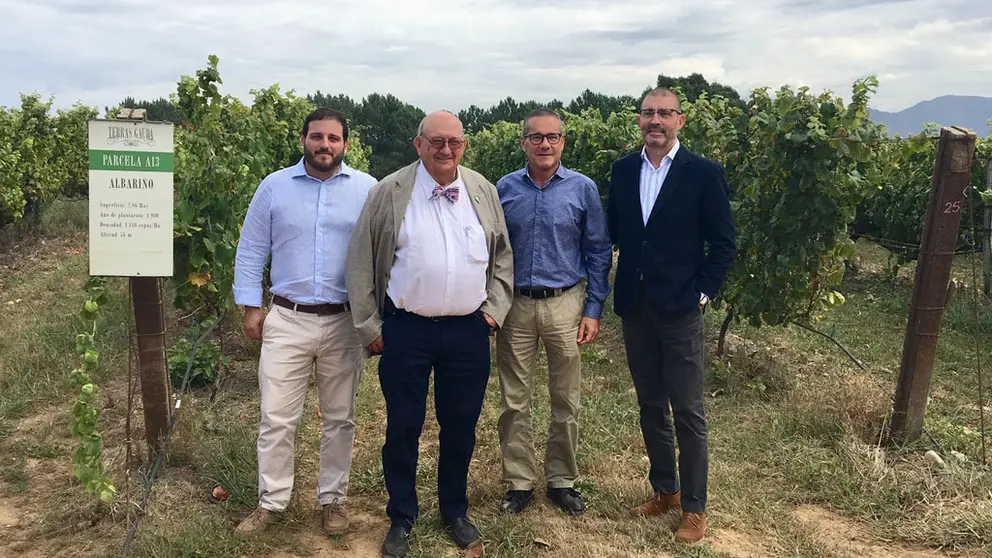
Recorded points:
(670, 155)
(428, 183)
(300, 169)
(561, 172)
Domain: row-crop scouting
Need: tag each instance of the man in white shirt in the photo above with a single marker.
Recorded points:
(430, 278)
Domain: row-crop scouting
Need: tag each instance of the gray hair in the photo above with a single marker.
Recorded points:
(659, 92)
(538, 113)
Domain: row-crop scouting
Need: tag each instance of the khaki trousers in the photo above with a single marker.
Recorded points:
(294, 344)
(555, 321)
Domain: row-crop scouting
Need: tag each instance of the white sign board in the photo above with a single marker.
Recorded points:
(131, 200)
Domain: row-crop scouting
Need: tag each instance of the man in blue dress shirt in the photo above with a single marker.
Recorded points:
(561, 261)
(303, 217)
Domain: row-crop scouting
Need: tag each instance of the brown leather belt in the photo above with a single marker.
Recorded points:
(319, 309)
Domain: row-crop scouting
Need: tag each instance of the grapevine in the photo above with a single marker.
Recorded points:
(794, 162)
(87, 465)
(223, 151)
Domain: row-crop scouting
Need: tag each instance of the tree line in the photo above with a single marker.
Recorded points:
(387, 124)
(805, 169)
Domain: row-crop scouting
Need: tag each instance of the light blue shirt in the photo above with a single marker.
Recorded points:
(652, 179)
(305, 224)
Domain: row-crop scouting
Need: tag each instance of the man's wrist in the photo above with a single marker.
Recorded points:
(593, 310)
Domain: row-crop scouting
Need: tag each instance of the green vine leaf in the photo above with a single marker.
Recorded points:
(87, 466)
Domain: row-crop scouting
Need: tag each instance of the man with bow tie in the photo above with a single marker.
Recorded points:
(430, 279)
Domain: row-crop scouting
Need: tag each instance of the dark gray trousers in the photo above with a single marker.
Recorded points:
(665, 357)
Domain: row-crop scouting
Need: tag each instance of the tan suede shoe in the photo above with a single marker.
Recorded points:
(255, 522)
(335, 519)
(659, 504)
(692, 527)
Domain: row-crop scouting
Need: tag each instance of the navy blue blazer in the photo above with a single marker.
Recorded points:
(692, 213)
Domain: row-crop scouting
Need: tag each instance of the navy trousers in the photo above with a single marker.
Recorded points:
(456, 349)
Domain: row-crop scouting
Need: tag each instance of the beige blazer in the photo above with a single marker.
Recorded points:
(373, 248)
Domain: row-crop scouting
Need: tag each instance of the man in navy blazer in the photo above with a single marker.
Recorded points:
(669, 215)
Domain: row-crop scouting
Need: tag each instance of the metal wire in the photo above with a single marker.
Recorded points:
(130, 407)
(173, 420)
(877, 381)
(978, 338)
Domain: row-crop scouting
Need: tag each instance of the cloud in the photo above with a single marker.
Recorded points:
(805, 6)
(466, 52)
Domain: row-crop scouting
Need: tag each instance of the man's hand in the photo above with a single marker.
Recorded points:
(375, 347)
(254, 319)
(491, 322)
(588, 330)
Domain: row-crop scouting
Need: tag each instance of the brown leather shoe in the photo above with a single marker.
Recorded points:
(335, 519)
(691, 528)
(659, 504)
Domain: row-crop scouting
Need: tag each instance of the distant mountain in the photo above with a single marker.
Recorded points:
(948, 110)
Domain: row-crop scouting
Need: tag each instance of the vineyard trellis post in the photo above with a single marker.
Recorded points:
(149, 326)
(950, 179)
(987, 238)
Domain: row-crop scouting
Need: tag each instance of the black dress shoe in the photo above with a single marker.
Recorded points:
(396, 545)
(568, 499)
(463, 532)
(517, 501)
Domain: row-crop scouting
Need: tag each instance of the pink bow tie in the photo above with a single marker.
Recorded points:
(451, 193)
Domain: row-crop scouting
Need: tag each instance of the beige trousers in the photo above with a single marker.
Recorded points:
(555, 321)
(294, 344)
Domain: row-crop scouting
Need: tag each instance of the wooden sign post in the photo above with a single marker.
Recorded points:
(131, 235)
(951, 176)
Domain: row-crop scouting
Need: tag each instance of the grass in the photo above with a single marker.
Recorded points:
(794, 427)
(37, 349)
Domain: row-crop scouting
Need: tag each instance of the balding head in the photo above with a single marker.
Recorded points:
(436, 119)
(440, 143)
(659, 92)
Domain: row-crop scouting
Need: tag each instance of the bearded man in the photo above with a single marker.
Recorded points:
(303, 217)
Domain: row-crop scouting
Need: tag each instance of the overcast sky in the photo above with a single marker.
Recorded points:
(450, 54)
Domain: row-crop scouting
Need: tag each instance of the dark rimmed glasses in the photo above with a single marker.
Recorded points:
(537, 139)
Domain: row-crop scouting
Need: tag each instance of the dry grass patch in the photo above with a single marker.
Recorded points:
(793, 425)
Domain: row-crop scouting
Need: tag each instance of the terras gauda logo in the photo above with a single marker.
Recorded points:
(131, 136)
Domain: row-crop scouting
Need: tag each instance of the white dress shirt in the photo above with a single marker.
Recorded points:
(441, 254)
(652, 179)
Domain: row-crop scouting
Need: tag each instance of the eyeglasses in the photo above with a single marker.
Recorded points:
(438, 143)
(537, 139)
(664, 113)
